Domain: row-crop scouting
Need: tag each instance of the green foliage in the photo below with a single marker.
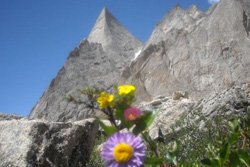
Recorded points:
(194, 140)
(234, 150)
(142, 123)
(171, 154)
(109, 130)
(223, 141)
(95, 158)
(153, 161)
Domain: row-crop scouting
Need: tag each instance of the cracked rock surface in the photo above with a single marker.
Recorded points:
(189, 50)
(29, 143)
(229, 102)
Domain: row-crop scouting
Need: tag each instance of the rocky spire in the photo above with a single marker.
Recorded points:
(110, 33)
(98, 61)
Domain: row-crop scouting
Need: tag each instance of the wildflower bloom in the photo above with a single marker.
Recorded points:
(126, 89)
(132, 113)
(123, 149)
(105, 100)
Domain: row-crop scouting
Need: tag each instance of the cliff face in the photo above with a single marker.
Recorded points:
(197, 52)
(189, 50)
(98, 60)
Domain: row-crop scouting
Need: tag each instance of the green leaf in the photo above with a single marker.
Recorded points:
(235, 132)
(244, 157)
(143, 122)
(224, 152)
(234, 159)
(234, 125)
(174, 148)
(109, 130)
(213, 162)
(119, 115)
(171, 158)
(148, 139)
(148, 118)
(206, 161)
(153, 161)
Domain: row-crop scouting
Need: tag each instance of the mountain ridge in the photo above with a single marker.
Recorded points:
(197, 52)
(208, 56)
(92, 63)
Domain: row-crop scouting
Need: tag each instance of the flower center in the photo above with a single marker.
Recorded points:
(132, 117)
(123, 152)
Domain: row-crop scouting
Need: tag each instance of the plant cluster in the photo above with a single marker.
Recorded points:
(222, 142)
(201, 141)
(128, 136)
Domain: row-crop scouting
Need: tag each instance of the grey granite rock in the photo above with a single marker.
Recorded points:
(179, 94)
(167, 114)
(9, 117)
(25, 143)
(109, 32)
(98, 61)
(229, 102)
(201, 53)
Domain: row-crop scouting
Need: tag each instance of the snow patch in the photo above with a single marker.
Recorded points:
(137, 54)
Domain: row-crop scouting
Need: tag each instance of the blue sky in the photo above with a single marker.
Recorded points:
(37, 35)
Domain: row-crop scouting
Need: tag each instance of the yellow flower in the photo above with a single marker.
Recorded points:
(105, 100)
(126, 89)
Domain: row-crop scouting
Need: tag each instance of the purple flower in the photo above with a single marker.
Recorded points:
(123, 150)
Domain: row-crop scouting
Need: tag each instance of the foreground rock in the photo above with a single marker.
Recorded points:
(231, 102)
(30, 143)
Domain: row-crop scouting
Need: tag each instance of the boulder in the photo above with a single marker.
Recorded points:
(29, 143)
(229, 102)
(167, 114)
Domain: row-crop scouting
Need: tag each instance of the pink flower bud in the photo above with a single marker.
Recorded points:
(132, 113)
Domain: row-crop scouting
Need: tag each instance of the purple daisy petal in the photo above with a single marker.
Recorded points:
(128, 139)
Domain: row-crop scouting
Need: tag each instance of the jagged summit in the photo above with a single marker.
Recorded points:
(174, 21)
(97, 61)
(201, 53)
(104, 20)
(195, 12)
(109, 32)
(189, 50)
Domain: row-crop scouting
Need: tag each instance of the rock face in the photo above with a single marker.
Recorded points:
(113, 36)
(25, 143)
(197, 52)
(189, 51)
(8, 117)
(98, 60)
(230, 102)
